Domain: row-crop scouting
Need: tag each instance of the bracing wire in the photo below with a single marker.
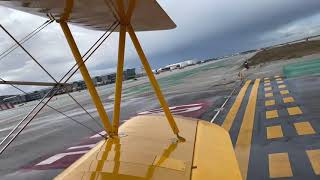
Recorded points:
(25, 39)
(94, 120)
(17, 42)
(29, 54)
(110, 30)
(52, 92)
(99, 39)
(19, 89)
(37, 62)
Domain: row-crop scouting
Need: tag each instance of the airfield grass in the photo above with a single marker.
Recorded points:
(286, 52)
(302, 68)
(172, 80)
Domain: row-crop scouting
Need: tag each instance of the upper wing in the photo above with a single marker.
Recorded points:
(96, 14)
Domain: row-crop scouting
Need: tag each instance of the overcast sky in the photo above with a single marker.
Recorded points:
(205, 29)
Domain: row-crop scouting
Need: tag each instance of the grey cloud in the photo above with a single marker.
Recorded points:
(205, 28)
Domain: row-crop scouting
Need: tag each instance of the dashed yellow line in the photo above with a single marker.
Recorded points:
(279, 165)
(288, 100)
(243, 144)
(294, 111)
(284, 92)
(272, 114)
(274, 132)
(235, 107)
(304, 128)
(268, 89)
(267, 84)
(270, 103)
(268, 95)
(282, 86)
(314, 158)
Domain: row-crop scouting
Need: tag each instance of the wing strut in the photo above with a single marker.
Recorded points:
(153, 81)
(125, 26)
(86, 76)
(124, 20)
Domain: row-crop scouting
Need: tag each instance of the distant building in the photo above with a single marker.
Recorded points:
(187, 63)
(9, 100)
(78, 85)
(112, 77)
(129, 74)
(105, 79)
(97, 81)
(173, 66)
(17, 99)
(36, 95)
(177, 65)
(164, 69)
(141, 72)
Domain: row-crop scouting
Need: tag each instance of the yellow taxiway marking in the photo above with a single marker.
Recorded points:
(243, 144)
(279, 165)
(235, 107)
(282, 86)
(274, 132)
(280, 82)
(267, 88)
(267, 84)
(304, 128)
(314, 158)
(283, 92)
(272, 114)
(270, 103)
(267, 81)
(294, 111)
(268, 95)
(288, 100)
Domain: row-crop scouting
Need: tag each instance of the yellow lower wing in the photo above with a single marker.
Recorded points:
(147, 149)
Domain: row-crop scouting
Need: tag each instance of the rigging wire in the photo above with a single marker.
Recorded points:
(53, 91)
(37, 62)
(17, 126)
(5, 30)
(99, 39)
(110, 30)
(25, 39)
(19, 89)
(94, 120)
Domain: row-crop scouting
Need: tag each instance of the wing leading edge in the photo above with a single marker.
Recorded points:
(97, 14)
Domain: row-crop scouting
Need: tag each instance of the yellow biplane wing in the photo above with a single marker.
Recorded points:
(147, 150)
(144, 147)
(96, 14)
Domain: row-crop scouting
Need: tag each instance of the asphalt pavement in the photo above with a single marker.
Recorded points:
(271, 119)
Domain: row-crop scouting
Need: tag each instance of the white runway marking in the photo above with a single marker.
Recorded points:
(176, 109)
(56, 157)
(82, 146)
(98, 135)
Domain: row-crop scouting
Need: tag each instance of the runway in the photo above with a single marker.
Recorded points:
(271, 119)
(276, 129)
